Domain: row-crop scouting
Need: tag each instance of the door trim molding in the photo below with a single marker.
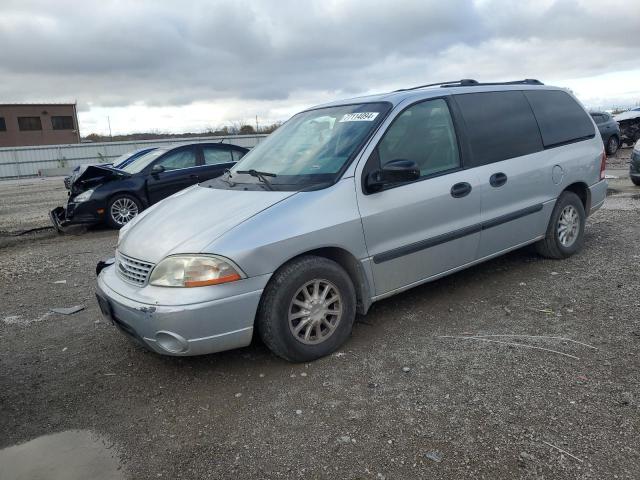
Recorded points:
(437, 276)
(454, 235)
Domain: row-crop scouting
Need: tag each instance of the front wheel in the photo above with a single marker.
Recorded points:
(565, 232)
(122, 209)
(636, 181)
(307, 310)
(612, 145)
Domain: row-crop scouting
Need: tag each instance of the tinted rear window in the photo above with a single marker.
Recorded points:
(500, 125)
(559, 116)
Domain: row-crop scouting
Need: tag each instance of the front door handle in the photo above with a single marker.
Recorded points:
(193, 176)
(460, 190)
(498, 179)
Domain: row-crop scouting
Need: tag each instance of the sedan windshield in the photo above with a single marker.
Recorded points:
(311, 148)
(140, 163)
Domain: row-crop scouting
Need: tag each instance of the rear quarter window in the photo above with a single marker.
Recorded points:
(561, 119)
(499, 125)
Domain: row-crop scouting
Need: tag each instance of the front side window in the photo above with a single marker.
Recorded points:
(62, 122)
(3, 125)
(310, 149)
(425, 134)
(178, 159)
(216, 156)
(26, 124)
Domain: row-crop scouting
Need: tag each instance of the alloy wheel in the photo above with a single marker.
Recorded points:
(123, 210)
(568, 226)
(315, 311)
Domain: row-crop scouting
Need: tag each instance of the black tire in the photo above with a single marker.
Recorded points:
(612, 145)
(636, 181)
(121, 197)
(551, 246)
(273, 312)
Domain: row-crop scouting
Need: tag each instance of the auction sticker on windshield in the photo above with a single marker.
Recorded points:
(359, 117)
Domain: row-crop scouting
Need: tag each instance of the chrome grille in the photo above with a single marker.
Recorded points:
(132, 270)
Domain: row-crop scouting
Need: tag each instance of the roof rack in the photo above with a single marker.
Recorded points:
(452, 83)
(470, 82)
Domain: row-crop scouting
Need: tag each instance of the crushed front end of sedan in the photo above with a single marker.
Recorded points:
(629, 122)
(81, 209)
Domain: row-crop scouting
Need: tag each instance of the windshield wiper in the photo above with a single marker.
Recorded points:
(262, 176)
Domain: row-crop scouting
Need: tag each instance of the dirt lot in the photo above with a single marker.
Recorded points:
(405, 398)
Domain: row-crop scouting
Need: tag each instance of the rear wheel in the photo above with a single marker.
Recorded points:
(612, 145)
(122, 209)
(565, 232)
(307, 310)
(636, 181)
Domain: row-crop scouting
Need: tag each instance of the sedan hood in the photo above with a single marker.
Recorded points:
(91, 175)
(190, 220)
(628, 115)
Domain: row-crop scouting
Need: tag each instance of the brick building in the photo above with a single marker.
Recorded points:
(38, 124)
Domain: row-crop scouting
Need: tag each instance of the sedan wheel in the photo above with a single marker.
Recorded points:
(122, 209)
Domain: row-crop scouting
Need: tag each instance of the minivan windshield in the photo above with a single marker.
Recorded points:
(311, 148)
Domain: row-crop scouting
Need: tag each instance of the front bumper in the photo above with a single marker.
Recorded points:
(175, 325)
(89, 212)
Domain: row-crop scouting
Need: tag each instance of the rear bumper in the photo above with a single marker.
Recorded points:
(598, 195)
(180, 330)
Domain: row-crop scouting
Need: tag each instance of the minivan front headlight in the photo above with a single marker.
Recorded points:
(83, 197)
(194, 271)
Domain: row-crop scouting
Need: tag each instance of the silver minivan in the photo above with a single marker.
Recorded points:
(352, 202)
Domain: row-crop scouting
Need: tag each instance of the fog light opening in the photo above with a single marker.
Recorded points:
(171, 342)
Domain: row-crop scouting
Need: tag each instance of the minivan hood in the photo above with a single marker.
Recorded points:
(190, 220)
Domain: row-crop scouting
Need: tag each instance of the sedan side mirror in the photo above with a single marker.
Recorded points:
(395, 171)
(156, 169)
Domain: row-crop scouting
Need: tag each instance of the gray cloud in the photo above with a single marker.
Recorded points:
(164, 53)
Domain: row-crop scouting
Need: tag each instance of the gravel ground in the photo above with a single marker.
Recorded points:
(406, 397)
(25, 204)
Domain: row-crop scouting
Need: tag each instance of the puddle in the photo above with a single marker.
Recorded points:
(70, 455)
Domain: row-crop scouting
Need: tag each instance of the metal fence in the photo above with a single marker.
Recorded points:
(18, 162)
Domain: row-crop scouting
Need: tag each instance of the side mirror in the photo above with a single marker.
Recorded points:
(395, 171)
(156, 169)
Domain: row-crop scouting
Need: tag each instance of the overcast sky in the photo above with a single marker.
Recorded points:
(193, 65)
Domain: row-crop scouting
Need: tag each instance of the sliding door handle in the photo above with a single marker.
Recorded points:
(460, 190)
(498, 179)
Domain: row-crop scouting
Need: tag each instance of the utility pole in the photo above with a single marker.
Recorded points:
(109, 122)
(257, 127)
(75, 114)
